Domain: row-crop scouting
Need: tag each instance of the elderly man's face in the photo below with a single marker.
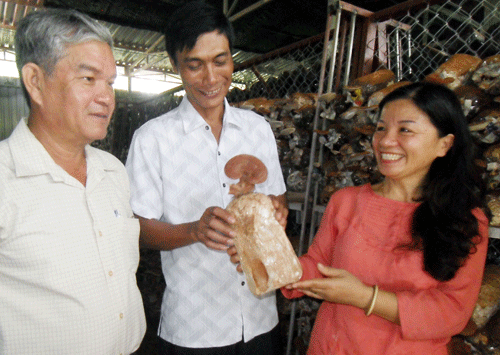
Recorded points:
(78, 98)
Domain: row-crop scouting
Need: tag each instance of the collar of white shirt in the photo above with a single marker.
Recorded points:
(187, 112)
(31, 159)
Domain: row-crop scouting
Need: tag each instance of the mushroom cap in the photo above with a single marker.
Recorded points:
(246, 168)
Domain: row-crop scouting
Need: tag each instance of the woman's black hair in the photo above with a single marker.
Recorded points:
(190, 21)
(443, 225)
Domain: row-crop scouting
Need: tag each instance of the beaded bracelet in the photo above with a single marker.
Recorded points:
(372, 303)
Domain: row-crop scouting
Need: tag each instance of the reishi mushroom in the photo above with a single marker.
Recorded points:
(266, 254)
(248, 169)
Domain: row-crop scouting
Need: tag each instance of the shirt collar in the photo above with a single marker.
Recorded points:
(192, 120)
(30, 157)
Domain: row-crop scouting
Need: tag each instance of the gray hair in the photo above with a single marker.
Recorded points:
(42, 37)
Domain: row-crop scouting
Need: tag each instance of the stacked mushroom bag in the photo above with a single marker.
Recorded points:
(266, 254)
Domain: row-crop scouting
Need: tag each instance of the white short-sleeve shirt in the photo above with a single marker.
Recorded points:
(176, 171)
(68, 254)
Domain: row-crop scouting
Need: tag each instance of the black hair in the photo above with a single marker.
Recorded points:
(190, 21)
(443, 225)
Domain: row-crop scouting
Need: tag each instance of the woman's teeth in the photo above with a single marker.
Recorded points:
(391, 156)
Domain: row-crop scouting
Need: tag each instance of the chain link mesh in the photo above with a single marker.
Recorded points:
(286, 72)
(419, 42)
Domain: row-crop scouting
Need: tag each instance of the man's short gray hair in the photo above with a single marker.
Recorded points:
(42, 37)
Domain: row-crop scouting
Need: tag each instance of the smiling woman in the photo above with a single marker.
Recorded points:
(405, 144)
(409, 250)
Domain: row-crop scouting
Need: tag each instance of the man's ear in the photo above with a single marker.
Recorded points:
(33, 78)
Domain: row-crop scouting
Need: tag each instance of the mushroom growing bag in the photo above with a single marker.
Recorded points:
(266, 254)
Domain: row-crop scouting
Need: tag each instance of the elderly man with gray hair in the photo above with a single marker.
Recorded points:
(68, 238)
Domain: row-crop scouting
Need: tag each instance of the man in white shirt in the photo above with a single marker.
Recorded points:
(68, 238)
(179, 192)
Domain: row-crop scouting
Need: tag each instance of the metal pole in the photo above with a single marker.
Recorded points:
(398, 54)
(331, 8)
(335, 45)
(351, 45)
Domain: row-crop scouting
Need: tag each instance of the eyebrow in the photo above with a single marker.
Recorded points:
(84, 66)
(196, 59)
(94, 70)
(404, 121)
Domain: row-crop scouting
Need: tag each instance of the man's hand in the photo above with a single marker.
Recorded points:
(234, 257)
(214, 229)
(280, 204)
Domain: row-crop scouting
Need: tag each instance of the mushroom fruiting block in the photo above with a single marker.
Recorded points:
(266, 254)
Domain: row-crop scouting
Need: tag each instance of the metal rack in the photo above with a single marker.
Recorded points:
(411, 39)
(331, 47)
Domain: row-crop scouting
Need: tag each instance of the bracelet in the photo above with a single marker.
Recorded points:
(372, 303)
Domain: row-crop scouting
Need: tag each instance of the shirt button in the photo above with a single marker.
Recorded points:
(224, 185)
(100, 234)
(207, 128)
(110, 273)
(242, 283)
(121, 315)
(218, 153)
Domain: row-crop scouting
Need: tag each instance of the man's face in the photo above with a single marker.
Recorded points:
(78, 98)
(206, 71)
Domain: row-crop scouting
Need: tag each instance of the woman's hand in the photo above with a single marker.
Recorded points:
(340, 286)
(337, 286)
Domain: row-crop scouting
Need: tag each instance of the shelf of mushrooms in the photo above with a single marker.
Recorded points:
(350, 121)
(347, 158)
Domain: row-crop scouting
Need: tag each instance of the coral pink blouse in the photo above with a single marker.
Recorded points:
(359, 232)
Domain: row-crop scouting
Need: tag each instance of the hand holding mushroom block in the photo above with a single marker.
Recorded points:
(266, 254)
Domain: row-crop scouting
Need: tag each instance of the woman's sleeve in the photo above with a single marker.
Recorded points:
(444, 311)
(321, 249)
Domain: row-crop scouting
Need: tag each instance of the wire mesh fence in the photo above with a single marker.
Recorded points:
(281, 73)
(418, 42)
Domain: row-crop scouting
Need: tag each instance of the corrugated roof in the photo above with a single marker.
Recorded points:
(139, 44)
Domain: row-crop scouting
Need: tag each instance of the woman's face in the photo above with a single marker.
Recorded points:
(406, 143)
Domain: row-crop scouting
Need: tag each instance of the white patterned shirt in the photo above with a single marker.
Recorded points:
(176, 171)
(68, 254)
